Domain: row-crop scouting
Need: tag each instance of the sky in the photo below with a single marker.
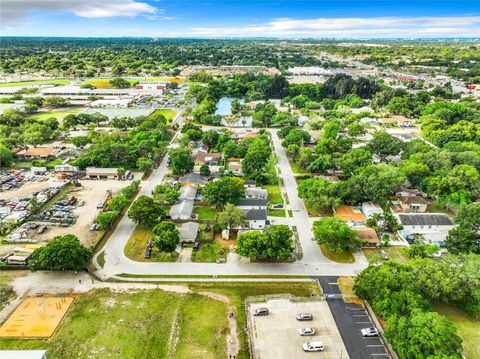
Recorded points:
(241, 18)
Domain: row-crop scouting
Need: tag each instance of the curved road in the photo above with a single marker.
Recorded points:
(312, 263)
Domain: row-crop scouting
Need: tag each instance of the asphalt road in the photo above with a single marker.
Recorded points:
(350, 318)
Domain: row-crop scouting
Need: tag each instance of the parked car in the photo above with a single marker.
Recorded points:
(148, 253)
(41, 229)
(196, 246)
(278, 205)
(260, 312)
(369, 332)
(94, 227)
(304, 317)
(306, 331)
(313, 347)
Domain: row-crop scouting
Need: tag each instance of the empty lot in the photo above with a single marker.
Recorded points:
(276, 335)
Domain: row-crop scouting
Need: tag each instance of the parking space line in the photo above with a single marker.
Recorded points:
(384, 354)
(359, 315)
(363, 322)
(374, 345)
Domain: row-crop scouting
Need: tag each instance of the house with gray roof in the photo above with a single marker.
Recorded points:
(256, 192)
(429, 228)
(257, 218)
(182, 209)
(188, 192)
(188, 232)
(252, 203)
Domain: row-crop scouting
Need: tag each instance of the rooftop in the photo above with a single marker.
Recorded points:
(256, 215)
(40, 152)
(425, 219)
(252, 202)
(349, 213)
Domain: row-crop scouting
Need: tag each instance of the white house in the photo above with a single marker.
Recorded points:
(187, 193)
(256, 192)
(432, 227)
(370, 208)
(182, 209)
(66, 168)
(257, 218)
(188, 232)
(252, 203)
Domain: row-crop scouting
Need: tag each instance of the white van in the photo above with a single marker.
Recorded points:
(313, 347)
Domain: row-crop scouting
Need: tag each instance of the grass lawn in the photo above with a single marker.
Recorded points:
(6, 291)
(274, 195)
(168, 113)
(209, 253)
(340, 257)
(396, 254)
(101, 259)
(468, 328)
(238, 292)
(136, 324)
(38, 82)
(178, 80)
(137, 243)
(207, 213)
(296, 168)
(205, 236)
(59, 115)
(276, 212)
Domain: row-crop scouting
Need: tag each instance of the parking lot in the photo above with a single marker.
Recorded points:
(350, 318)
(277, 335)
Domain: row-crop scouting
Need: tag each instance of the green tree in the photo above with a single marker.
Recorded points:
(354, 159)
(80, 141)
(462, 239)
(6, 156)
(204, 170)
(181, 160)
(273, 243)
(225, 190)
(336, 235)
(119, 83)
(145, 211)
(168, 236)
(144, 164)
(166, 195)
(469, 216)
(383, 144)
(61, 253)
(232, 217)
(105, 219)
(319, 194)
(427, 334)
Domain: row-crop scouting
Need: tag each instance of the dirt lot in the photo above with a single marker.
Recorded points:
(28, 188)
(91, 192)
(276, 335)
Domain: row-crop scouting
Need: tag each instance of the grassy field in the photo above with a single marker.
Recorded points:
(396, 254)
(340, 257)
(38, 82)
(238, 292)
(276, 212)
(137, 243)
(59, 115)
(103, 82)
(274, 195)
(168, 113)
(6, 291)
(207, 213)
(468, 328)
(209, 253)
(137, 324)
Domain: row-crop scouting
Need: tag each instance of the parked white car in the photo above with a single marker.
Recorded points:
(369, 332)
(306, 331)
(313, 347)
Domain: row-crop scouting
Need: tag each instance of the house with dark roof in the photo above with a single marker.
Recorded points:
(257, 218)
(431, 228)
(252, 203)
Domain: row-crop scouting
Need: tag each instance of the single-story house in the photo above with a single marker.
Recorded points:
(39, 152)
(405, 191)
(192, 179)
(252, 203)
(235, 168)
(400, 121)
(98, 172)
(368, 235)
(370, 208)
(187, 193)
(250, 183)
(203, 157)
(182, 209)
(352, 215)
(257, 218)
(255, 192)
(410, 204)
(188, 232)
(432, 228)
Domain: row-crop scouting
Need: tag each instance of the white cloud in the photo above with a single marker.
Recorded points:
(354, 27)
(14, 13)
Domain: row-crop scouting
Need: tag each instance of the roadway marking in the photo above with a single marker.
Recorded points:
(333, 283)
(374, 345)
(384, 354)
(359, 315)
(362, 322)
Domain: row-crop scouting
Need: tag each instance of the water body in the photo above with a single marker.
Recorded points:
(224, 106)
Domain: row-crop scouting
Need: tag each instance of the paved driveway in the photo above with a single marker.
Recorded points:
(350, 318)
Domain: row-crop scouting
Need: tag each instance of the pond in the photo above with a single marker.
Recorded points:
(224, 106)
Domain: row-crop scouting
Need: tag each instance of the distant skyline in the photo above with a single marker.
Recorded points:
(213, 18)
